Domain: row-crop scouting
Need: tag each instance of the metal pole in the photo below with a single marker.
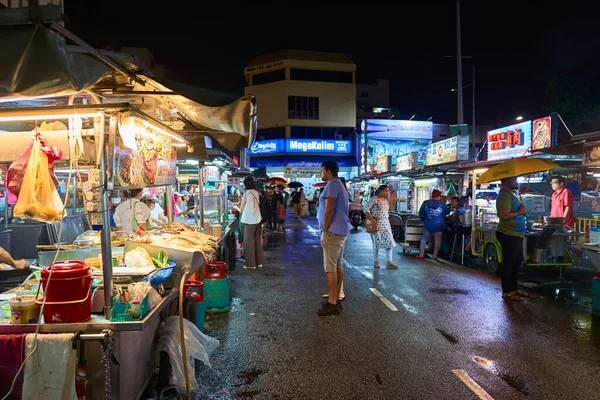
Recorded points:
(107, 272)
(169, 203)
(459, 85)
(473, 128)
(201, 171)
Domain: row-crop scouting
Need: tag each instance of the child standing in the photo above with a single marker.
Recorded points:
(281, 215)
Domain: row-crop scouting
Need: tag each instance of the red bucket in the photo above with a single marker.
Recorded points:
(68, 297)
(215, 270)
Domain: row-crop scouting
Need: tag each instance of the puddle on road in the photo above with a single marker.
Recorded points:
(449, 291)
(514, 381)
(251, 375)
(452, 339)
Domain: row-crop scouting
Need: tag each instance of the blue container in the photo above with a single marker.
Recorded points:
(596, 297)
(216, 293)
(200, 314)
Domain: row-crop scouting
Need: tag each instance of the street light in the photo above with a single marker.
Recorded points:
(519, 118)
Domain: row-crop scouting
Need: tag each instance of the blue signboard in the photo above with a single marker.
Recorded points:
(262, 147)
(318, 146)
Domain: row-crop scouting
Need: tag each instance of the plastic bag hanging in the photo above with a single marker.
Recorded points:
(38, 198)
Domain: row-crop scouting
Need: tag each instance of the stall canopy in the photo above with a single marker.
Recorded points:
(37, 64)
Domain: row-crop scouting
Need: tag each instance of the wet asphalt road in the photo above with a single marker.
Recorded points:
(447, 318)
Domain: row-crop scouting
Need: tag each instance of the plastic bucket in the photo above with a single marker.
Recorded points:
(24, 310)
(68, 296)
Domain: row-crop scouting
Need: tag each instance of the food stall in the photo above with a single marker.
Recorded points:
(123, 128)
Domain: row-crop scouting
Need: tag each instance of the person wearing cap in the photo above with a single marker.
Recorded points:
(157, 213)
(433, 214)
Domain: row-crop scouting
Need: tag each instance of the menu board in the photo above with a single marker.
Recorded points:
(143, 158)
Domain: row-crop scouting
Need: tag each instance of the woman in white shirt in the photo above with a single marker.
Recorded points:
(157, 213)
(249, 208)
(132, 215)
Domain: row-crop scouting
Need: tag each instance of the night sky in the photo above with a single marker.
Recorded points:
(516, 47)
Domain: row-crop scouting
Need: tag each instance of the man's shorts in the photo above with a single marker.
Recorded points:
(333, 250)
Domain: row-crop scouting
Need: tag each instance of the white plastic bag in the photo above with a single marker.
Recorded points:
(198, 346)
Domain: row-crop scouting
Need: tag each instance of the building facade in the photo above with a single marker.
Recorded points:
(307, 105)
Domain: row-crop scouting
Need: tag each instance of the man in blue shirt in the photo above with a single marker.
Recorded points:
(335, 227)
(433, 214)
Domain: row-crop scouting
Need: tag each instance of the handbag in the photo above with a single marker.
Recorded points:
(372, 226)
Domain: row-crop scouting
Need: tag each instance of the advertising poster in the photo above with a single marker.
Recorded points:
(142, 159)
(509, 142)
(447, 151)
(542, 133)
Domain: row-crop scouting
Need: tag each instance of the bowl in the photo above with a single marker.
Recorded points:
(161, 275)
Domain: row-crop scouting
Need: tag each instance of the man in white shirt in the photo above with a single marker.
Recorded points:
(124, 214)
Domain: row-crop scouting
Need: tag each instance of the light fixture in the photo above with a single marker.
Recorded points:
(519, 118)
(48, 117)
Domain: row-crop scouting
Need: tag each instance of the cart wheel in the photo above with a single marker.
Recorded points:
(490, 258)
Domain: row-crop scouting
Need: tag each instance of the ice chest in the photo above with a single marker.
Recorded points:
(68, 294)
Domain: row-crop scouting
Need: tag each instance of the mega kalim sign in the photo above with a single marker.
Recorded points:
(303, 146)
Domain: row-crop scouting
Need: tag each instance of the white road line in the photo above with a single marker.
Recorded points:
(471, 384)
(366, 274)
(384, 300)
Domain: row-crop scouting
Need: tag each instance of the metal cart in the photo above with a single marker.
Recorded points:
(413, 230)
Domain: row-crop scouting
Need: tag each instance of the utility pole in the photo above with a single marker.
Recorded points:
(459, 85)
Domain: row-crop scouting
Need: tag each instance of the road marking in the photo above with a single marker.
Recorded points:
(471, 384)
(384, 300)
(366, 274)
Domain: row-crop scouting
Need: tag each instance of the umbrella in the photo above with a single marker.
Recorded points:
(516, 167)
(277, 180)
(320, 184)
(281, 185)
(295, 185)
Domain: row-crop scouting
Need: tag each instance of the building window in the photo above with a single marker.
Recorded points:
(268, 77)
(303, 107)
(364, 94)
(316, 75)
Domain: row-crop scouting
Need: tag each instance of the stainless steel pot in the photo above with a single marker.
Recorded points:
(540, 256)
(468, 215)
(554, 221)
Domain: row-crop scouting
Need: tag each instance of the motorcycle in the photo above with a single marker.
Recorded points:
(356, 218)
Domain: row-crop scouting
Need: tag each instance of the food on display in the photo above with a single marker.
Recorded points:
(138, 258)
(184, 237)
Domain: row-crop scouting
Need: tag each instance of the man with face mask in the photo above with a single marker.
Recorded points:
(510, 232)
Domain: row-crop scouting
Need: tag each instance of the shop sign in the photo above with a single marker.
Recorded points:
(407, 162)
(300, 172)
(233, 181)
(264, 67)
(212, 173)
(235, 160)
(542, 133)
(318, 146)
(397, 130)
(267, 147)
(448, 150)
(509, 142)
(591, 155)
(383, 164)
(363, 154)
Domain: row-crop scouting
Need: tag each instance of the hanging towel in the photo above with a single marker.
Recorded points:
(11, 349)
(50, 371)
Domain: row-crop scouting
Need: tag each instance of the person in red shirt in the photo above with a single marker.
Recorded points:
(562, 202)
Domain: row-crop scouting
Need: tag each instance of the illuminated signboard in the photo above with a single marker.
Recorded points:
(509, 142)
(449, 150)
(390, 129)
(407, 162)
(363, 153)
(267, 147)
(383, 164)
(542, 134)
(320, 146)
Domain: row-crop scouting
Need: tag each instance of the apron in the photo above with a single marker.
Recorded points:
(134, 224)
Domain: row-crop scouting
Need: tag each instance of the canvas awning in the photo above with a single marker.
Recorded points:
(37, 63)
